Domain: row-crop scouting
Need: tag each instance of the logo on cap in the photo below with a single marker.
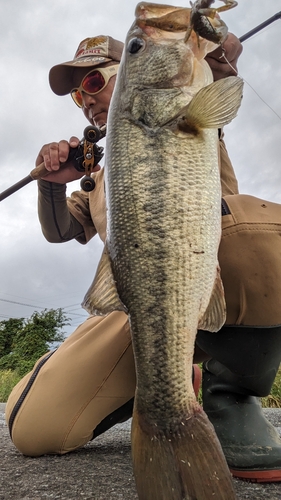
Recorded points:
(92, 46)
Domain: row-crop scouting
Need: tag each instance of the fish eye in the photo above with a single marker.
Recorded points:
(135, 45)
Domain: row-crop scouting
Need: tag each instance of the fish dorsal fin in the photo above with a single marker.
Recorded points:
(102, 297)
(215, 314)
(213, 106)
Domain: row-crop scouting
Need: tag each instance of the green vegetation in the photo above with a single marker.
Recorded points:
(24, 341)
(8, 380)
(274, 399)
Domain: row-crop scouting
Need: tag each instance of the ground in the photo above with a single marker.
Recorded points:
(102, 470)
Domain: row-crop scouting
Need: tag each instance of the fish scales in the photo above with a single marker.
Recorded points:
(160, 261)
(161, 241)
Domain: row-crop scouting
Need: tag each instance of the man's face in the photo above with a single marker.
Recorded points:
(95, 107)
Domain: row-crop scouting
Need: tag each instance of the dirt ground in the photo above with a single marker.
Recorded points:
(102, 470)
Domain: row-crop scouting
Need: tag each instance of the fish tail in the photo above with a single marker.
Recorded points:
(182, 464)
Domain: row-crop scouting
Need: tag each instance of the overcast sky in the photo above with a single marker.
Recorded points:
(35, 274)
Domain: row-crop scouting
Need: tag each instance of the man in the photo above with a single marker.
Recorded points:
(88, 384)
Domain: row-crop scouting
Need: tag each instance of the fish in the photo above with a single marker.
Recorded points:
(159, 263)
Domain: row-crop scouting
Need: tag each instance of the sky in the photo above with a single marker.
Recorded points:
(34, 36)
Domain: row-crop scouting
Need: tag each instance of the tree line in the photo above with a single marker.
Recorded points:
(24, 341)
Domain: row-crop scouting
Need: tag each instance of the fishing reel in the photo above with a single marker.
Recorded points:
(88, 154)
(84, 158)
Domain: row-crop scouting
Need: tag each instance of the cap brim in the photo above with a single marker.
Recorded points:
(61, 75)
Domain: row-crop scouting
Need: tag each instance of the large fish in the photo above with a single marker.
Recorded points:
(160, 261)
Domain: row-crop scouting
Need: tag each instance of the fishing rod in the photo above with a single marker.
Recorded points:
(260, 27)
(86, 156)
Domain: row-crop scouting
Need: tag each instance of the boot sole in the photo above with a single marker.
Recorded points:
(258, 476)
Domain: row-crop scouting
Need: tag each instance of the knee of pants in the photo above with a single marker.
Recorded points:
(88, 377)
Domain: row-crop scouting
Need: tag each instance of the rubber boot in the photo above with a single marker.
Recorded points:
(243, 368)
(125, 411)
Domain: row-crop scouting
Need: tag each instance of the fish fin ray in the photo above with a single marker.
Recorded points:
(213, 106)
(102, 297)
(169, 464)
(215, 314)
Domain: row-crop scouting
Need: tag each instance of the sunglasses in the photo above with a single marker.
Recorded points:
(93, 83)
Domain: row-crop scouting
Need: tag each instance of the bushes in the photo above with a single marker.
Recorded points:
(24, 341)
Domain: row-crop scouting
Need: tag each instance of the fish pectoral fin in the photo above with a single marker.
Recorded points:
(102, 297)
(215, 314)
(213, 106)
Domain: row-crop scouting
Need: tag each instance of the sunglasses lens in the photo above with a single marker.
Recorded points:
(77, 98)
(93, 82)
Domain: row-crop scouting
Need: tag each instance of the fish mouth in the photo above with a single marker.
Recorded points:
(171, 23)
(169, 19)
(168, 23)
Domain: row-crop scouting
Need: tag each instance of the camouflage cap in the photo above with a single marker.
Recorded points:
(91, 52)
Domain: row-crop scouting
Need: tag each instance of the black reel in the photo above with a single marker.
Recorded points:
(93, 134)
(87, 155)
(87, 183)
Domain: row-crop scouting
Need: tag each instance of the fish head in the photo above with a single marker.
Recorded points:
(157, 56)
(161, 70)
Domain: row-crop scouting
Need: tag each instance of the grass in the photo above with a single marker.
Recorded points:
(9, 378)
(274, 398)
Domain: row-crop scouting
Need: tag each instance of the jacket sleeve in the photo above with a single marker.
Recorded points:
(229, 184)
(61, 218)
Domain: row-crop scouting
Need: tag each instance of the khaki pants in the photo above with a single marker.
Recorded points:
(89, 376)
(92, 373)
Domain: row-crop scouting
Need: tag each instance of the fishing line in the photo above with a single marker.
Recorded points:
(223, 56)
(278, 116)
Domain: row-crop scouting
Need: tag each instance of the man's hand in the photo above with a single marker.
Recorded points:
(54, 156)
(219, 66)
